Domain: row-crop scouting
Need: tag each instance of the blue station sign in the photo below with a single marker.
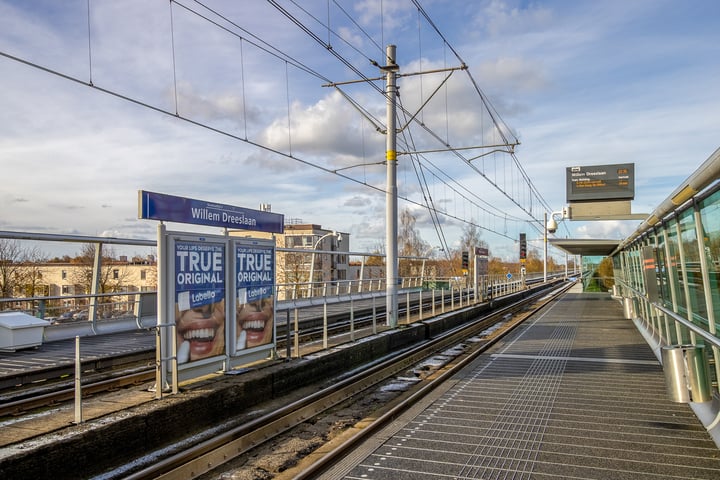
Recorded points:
(159, 206)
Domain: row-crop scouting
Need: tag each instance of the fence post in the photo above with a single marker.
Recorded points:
(78, 383)
(407, 305)
(325, 319)
(297, 335)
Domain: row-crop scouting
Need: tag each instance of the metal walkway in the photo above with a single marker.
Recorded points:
(574, 394)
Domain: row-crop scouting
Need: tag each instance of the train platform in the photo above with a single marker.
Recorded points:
(574, 394)
(104, 350)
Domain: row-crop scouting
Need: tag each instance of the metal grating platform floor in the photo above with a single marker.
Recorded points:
(574, 394)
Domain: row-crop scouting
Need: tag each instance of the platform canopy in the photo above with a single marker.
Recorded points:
(586, 247)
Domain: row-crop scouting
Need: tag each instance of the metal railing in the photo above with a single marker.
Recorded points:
(98, 312)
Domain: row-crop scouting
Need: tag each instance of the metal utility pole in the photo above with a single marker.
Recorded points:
(391, 200)
(390, 73)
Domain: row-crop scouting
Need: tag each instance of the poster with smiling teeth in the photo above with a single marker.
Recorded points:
(199, 300)
(255, 308)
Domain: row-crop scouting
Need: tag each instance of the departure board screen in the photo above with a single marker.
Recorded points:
(601, 182)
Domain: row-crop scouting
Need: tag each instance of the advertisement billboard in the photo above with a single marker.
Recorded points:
(601, 182)
(255, 297)
(216, 294)
(199, 291)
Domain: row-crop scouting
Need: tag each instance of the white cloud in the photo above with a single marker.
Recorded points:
(588, 83)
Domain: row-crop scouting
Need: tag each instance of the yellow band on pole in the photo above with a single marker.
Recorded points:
(391, 155)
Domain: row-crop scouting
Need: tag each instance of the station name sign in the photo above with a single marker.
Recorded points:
(601, 182)
(159, 206)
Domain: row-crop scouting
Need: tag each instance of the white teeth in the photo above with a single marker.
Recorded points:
(200, 334)
(254, 325)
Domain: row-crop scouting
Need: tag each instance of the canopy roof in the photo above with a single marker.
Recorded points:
(585, 246)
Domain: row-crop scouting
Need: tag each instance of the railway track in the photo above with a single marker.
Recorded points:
(26, 392)
(218, 448)
(48, 396)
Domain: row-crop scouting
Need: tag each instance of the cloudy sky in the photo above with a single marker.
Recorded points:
(228, 101)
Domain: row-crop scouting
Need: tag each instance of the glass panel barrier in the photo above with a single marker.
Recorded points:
(710, 218)
(692, 277)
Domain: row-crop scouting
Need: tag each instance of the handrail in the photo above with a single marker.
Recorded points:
(710, 338)
(52, 237)
(715, 341)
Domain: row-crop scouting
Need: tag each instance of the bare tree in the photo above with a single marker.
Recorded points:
(112, 273)
(30, 278)
(377, 260)
(471, 238)
(11, 264)
(410, 244)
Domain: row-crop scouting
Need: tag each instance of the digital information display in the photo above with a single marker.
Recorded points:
(601, 182)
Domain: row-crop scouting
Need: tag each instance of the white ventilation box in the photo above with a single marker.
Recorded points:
(19, 330)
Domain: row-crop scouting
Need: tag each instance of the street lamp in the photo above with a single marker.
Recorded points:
(312, 260)
(551, 226)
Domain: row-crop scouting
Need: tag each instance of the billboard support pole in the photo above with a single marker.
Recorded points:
(162, 319)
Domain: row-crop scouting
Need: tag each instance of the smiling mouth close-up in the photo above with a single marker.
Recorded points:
(201, 336)
(254, 325)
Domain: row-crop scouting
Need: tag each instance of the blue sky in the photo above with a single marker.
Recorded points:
(576, 82)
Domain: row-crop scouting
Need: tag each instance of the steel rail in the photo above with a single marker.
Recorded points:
(221, 448)
(22, 405)
(332, 457)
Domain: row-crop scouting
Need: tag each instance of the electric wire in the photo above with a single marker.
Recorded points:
(271, 50)
(426, 196)
(219, 131)
(410, 145)
(489, 106)
(256, 42)
(336, 34)
(309, 32)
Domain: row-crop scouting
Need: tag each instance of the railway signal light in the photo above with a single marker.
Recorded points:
(465, 260)
(523, 247)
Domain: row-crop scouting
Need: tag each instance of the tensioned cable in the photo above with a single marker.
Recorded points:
(426, 195)
(440, 171)
(367, 35)
(333, 32)
(424, 187)
(281, 56)
(434, 212)
(174, 68)
(491, 109)
(219, 131)
(242, 78)
(346, 62)
(486, 101)
(259, 43)
(314, 36)
(89, 44)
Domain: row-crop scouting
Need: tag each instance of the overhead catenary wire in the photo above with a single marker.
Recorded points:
(489, 108)
(289, 61)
